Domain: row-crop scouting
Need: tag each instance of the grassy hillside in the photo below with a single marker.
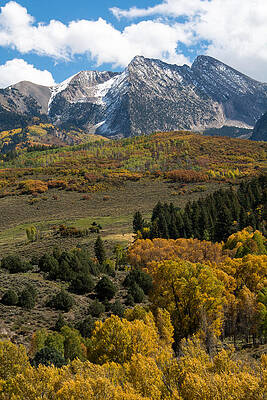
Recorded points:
(100, 165)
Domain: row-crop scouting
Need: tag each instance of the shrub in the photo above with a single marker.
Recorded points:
(105, 289)
(86, 326)
(32, 233)
(26, 299)
(141, 278)
(61, 301)
(96, 309)
(33, 186)
(60, 323)
(129, 300)
(117, 308)
(10, 298)
(48, 356)
(137, 293)
(14, 264)
(48, 263)
(83, 283)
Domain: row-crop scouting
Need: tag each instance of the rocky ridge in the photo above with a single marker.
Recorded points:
(149, 95)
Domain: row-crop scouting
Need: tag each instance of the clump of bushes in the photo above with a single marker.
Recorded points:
(105, 289)
(27, 297)
(48, 356)
(137, 293)
(140, 278)
(81, 284)
(68, 266)
(86, 326)
(33, 186)
(14, 264)
(61, 301)
(72, 231)
(96, 309)
(10, 298)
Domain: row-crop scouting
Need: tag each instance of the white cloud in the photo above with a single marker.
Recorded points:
(171, 8)
(17, 70)
(236, 30)
(99, 39)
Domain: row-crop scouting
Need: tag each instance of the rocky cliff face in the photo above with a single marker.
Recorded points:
(149, 95)
(260, 129)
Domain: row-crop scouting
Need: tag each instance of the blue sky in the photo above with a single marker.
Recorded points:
(47, 41)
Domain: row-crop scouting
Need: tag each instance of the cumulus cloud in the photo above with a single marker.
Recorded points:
(17, 70)
(171, 8)
(236, 31)
(233, 31)
(99, 39)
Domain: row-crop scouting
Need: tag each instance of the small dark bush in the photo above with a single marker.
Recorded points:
(86, 326)
(96, 309)
(48, 263)
(83, 283)
(10, 298)
(107, 269)
(61, 301)
(48, 356)
(141, 278)
(14, 264)
(117, 308)
(129, 300)
(137, 293)
(60, 323)
(105, 289)
(26, 299)
(107, 305)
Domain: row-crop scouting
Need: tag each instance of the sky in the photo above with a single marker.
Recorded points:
(48, 41)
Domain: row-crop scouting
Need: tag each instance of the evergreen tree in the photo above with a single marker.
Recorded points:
(138, 222)
(100, 250)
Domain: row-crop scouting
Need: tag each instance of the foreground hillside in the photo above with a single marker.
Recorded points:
(135, 270)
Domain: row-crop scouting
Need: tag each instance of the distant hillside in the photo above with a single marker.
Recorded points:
(230, 131)
(41, 136)
(260, 130)
(94, 166)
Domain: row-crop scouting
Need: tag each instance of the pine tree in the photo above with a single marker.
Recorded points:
(138, 222)
(100, 250)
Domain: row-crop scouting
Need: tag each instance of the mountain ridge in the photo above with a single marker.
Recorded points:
(149, 95)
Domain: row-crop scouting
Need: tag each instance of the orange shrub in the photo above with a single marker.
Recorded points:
(33, 186)
(182, 175)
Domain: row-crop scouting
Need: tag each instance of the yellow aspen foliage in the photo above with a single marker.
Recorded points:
(34, 384)
(249, 271)
(143, 252)
(191, 293)
(13, 360)
(201, 377)
(247, 242)
(145, 376)
(117, 340)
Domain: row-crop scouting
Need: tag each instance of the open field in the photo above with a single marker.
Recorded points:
(112, 209)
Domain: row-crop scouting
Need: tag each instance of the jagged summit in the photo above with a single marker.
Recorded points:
(149, 95)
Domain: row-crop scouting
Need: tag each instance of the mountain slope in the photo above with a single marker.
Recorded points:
(149, 95)
(260, 129)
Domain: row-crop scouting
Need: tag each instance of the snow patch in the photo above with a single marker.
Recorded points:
(55, 90)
